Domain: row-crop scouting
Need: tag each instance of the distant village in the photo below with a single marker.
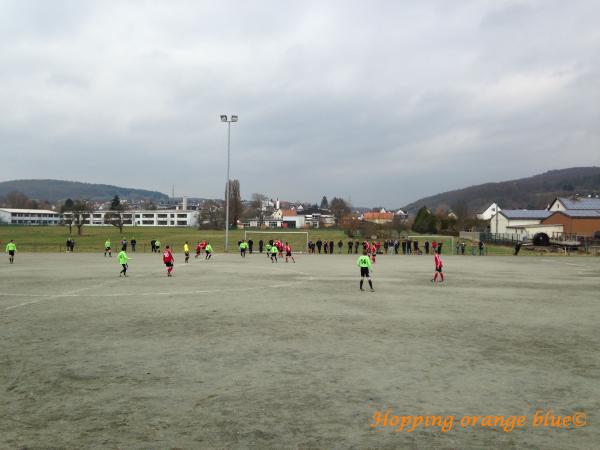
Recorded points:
(565, 218)
(188, 212)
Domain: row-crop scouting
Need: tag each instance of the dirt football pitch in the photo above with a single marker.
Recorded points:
(234, 353)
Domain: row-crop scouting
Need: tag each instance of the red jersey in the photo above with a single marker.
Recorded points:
(287, 249)
(438, 261)
(434, 244)
(199, 247)
(167, 256)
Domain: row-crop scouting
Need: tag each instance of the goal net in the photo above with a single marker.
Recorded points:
(446, 241)
(298, 240)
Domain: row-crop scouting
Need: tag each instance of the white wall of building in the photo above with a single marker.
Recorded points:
(557, 206)
(16, 216)
(151, 218)
(503, 223)
(529, 231)
(489, 212)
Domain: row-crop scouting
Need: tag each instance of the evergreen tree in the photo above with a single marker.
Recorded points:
(115, 205)
(324, 203)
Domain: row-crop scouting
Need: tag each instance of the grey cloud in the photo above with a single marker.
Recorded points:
(380, 102)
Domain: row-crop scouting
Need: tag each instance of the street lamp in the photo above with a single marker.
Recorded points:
(224, 119)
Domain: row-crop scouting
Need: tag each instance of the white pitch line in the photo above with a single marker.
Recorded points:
(44, 297)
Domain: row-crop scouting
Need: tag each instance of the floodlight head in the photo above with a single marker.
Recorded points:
(223, 118)
(234, 118)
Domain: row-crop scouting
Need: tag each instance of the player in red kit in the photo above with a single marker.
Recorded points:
(373, 252)
(437, 258)
(288, 252)
(198, 249)
(279, 246)
(168, 260)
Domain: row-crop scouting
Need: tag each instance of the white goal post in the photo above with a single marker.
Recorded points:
(437, 238)
(298, 239)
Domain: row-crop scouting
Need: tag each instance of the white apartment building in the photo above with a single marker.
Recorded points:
(149, 218)
(13, 216)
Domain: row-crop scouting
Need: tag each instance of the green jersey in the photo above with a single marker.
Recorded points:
(123, 258)
(157, 244)
(208, 248)
(364, 261)
(11, 247)
(107, 244)
(243, 246)
(268, 247)
(274, 250)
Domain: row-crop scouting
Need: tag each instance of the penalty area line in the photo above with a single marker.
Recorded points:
(44, 297)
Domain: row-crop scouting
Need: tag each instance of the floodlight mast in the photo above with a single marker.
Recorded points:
(234, 118)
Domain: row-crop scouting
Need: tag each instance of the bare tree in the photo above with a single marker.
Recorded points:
(350, 225)
(16, 199)
(80, 214)
(258, 201)
(67, 219)
(235, 202)
(212, 215)
(115, 218)
(115, 215)
(149, 205)
(339, 208)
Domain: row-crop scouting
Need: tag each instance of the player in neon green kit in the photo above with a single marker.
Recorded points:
(243, 248)
(208, 250)
(186, 251)
(107, 248)
(123, 259)
(11, 249)
(274, 252)
(364, 262)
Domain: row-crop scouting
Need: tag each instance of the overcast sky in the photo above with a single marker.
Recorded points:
(380, 102)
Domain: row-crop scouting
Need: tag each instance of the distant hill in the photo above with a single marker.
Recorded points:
(532, 193)
(58, 190)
